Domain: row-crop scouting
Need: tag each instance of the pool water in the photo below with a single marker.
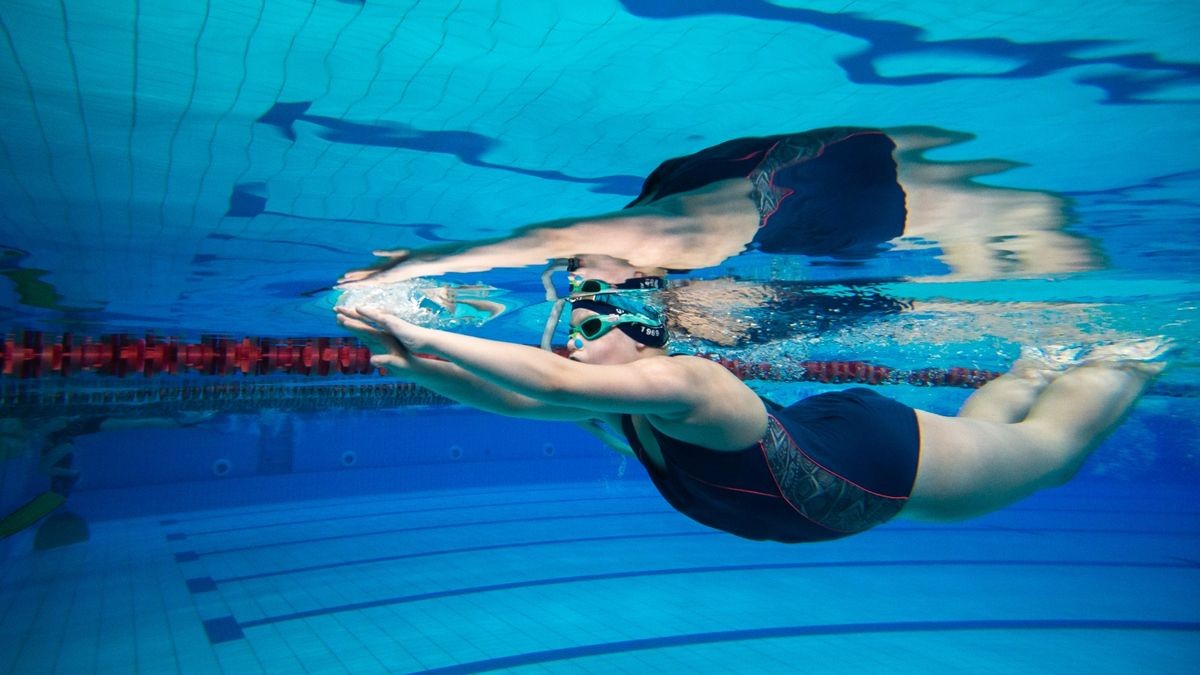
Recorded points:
(177, 171)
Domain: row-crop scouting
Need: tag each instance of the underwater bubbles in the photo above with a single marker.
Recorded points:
(427, 303)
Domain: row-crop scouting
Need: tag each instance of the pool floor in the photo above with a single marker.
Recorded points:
(605, 578)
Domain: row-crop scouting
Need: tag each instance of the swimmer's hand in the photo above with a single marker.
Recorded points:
(391, 259)
(393, 341)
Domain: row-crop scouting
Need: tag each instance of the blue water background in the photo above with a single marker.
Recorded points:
(203, 168)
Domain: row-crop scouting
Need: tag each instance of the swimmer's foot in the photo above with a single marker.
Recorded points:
(1048, 360)
(1146, 354)
(1152, 348)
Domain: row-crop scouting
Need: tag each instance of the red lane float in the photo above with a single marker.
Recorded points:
(31, 355)
(119, 355)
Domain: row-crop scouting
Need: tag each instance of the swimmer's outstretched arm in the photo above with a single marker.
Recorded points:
(454, 383)
(450, 380)
(651, 386)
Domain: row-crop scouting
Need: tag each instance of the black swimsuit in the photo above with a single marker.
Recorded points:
(829, 466)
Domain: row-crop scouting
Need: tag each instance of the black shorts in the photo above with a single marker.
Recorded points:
(826, 192)
(845, 460)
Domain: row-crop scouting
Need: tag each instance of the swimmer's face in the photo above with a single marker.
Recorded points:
(611, 348)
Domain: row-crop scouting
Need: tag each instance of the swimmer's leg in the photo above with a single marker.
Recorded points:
(1080, 409)
(1010, 397)
(972, 465)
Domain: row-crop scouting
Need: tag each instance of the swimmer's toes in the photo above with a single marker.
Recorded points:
(1050, 358)
(1147, 351)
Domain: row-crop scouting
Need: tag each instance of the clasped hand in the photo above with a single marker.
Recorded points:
(393, 341)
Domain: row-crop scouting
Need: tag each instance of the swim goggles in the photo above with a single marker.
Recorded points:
(596, 327)
(640, 322)
(581, 289)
